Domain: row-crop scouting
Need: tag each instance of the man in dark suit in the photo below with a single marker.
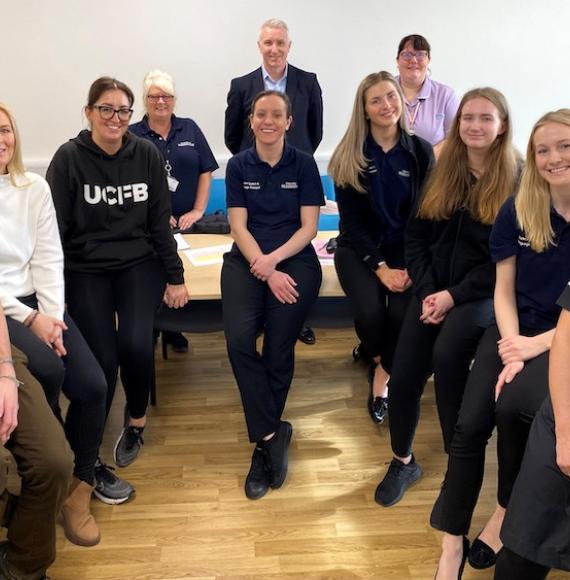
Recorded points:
(275, 72)
(301, 87)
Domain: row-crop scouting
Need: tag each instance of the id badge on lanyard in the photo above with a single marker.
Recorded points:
(172, 181)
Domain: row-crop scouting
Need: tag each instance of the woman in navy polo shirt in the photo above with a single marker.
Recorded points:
(447, 255)
(537, 522)
(270, 278)
(189, 161)
(378, 170)
(530, 244)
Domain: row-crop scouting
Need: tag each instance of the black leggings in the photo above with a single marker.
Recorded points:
(513, 414)
(445, 348)
(115, 313)
(80, 378)
(378, 313)
(249, 308)
(510, 565)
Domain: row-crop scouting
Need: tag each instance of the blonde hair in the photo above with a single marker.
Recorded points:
(532, 203)
(159, 79)
(450, 184)
(348, 161)
(15, 166)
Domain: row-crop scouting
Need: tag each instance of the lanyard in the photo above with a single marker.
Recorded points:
(412, 118)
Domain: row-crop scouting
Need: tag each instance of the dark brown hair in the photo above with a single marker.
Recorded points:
(104, 84)
(271, 93)
(418, 42)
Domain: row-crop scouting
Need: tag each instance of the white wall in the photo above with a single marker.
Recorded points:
(52, 51)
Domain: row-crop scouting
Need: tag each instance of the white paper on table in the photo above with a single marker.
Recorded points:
(207, 256)
(181, 243)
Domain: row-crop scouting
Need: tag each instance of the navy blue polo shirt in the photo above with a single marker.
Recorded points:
(273, 196)
(541, 277)
(564, 299)
(389, 177)
(189, 154)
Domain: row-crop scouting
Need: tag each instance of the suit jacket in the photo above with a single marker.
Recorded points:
(304, 92)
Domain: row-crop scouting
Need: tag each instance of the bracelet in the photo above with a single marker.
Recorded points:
(6, 361)
(14, 379)
(31, 318)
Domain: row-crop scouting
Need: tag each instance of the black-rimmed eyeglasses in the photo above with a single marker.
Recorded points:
(156, 98)
(106, 113)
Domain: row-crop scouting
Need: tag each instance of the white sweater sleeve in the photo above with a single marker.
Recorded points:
(46, 264)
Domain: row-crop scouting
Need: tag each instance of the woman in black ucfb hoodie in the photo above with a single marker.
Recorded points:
(113, 209)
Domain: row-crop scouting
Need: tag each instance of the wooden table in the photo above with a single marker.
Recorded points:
(204, 281)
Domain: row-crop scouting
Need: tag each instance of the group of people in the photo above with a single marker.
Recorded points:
(453, 253)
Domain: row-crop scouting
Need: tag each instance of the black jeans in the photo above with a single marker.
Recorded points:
(510, 565)
(249, 308)
(447, 349)
(80, 378)
(514, 410)
(115, 312)
(378, 313)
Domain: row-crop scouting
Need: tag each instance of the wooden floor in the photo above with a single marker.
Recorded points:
(190, 518)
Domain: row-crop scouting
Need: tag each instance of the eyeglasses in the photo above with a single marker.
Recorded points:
(419, 55)
(107, 113)
(156, 98)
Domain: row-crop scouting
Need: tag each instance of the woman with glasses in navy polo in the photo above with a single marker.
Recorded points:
(270, 278)
(188, 160)
(530, 244)
(120, 259)
(430, 107)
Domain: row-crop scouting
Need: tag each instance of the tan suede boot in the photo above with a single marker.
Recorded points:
(79, 525)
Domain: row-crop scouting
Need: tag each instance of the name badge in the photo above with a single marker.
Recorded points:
(172, 183)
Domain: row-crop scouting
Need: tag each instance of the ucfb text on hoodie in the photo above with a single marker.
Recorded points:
(113, 211)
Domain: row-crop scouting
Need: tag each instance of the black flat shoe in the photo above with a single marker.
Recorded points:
(463, 560)
(481, 555)
(377, 406)
(258, 478)
(307, 335)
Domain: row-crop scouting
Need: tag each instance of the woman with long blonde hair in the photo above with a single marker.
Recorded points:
(447, 256)
(378, 170)
(530, 244)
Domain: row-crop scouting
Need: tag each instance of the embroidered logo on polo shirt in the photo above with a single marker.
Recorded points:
(110, 195)
(404, 173)
(523, 242)
(251, 185)
(289, 185)
(186, 144)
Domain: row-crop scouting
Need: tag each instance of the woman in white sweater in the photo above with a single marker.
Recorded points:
(32, 296)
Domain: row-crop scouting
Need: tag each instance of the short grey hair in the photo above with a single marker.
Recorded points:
(159, 79)
(276, 23)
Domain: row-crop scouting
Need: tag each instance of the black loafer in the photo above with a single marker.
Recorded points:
(278, 454)
(307, 335)
(481, 555)
(378, 409)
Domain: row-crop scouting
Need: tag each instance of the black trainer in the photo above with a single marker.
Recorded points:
(128, 445)
(278, 453)
(257, 480)
(396, 481)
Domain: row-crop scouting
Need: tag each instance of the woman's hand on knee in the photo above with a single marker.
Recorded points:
(395, 280)
(8, 408)
(509, 372)
(50, 330)
(176, 295)
(516, 348)
(283, 287)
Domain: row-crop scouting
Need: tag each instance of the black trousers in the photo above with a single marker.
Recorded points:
(378, 313)
(513, 412)
(250, 308)
(80, 378)
(115, 312)
(510, 565)
(447, 349)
